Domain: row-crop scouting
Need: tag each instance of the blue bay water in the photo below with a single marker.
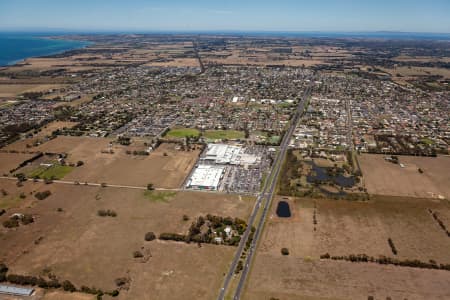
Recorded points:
(16, 47)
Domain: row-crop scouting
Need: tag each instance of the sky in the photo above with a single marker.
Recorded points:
(226, 15)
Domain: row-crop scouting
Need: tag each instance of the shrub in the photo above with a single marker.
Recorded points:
(27, 219)
(239, 267)
(172, 237)
(285, 251)
(185, 218)
(121, 281)
(2, 212)
(21, 177)
(53, 284)
(3, 268)
(106, 213)
(68, 286)
(92, 290)
(42, 195)
(150, 236)
(42, 283)
(137, 254)
(80, 163)
(11, 223)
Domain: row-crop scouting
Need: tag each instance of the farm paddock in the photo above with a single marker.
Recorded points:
(382, 177)
(69, 239)
(346, 227)
(105, 161)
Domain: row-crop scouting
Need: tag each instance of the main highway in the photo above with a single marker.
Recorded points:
(264, 199)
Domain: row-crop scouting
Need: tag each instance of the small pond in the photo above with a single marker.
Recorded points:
(283, 210)
(319, 174)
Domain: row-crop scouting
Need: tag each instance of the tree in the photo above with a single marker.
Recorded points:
(80, 163)
(150, 187)
(11, 223)
(21, 177)
(285, 251)
(27, 219)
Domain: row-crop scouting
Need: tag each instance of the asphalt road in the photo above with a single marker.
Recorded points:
(264, 198)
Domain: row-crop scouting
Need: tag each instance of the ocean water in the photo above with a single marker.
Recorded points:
(15, 47)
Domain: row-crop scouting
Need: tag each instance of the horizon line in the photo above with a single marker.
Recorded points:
(140, 31)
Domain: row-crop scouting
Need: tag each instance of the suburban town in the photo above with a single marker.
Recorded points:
(205, 166)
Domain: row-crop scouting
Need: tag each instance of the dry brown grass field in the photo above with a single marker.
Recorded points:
(344, 228)
(177, 62)
(418, 71)
(384, 178)
(9, 161)
(165, 167)
(78, 245)
(9, 90)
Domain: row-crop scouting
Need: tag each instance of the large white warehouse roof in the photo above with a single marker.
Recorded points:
(206, 177)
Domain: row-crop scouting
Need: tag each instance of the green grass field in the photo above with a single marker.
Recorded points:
(275, 139)
(223, 134)
(159, 196)
(53, 172)
(182, 132)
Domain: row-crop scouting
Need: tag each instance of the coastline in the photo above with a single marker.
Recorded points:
(21, 60)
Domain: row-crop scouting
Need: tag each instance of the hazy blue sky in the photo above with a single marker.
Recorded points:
(251, 15)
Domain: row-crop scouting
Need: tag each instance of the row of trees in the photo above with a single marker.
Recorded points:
(439, 221)
(51, 283)
(383, 260)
